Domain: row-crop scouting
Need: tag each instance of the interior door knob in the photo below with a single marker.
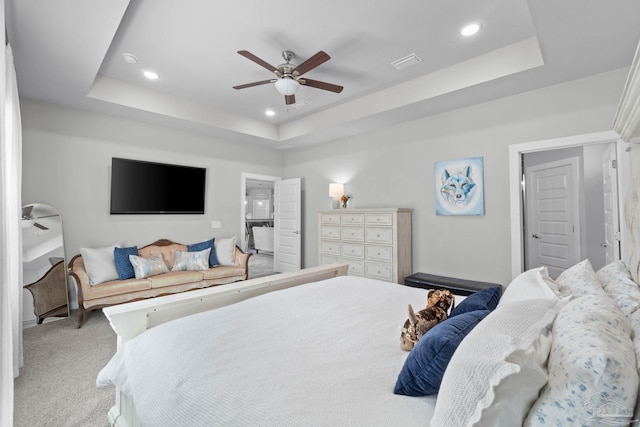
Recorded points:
(535, 236)
(604, 245)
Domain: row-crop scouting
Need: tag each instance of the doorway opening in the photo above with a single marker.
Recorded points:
(587, 234)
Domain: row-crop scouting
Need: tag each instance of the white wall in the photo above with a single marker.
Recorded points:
(395, 167)
(66, 164)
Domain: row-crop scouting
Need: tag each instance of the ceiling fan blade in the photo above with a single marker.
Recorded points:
(40, 226)
(311, 63)
(289, 99)
(262, 82)
(321, 85)
(257, 60)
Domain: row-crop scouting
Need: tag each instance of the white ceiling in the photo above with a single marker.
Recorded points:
(69, 52)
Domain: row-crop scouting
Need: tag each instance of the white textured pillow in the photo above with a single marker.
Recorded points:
(592, 367)
(226, 251)
(617, 282)
(191, 261)
(580, 280)
(497, 372)
(146, 267)
(100, 264)
(532, 284)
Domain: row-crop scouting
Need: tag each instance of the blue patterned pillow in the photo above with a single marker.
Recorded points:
(486, 299)
(423, 370)
(123, 265)
(146, 267)
(191, 261)
(197, 247)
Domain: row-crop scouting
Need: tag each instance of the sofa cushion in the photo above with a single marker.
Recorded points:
(147, 267)
(123, 264)
(175, 278)
(168, 252)
(115, 287)
(226, 251)
(191, 261)
(99, 264)
(223, 271)
(196, 247)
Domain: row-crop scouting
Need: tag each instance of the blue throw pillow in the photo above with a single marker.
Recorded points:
(123, 265)
(197, 247)
(486, 299)
(424, 368)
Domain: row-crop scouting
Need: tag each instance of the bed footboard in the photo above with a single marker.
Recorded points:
(130, 320)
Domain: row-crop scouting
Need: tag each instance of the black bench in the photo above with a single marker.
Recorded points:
(456, 286)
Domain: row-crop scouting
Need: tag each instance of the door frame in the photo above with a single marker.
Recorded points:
(243, 209)
(515, 184)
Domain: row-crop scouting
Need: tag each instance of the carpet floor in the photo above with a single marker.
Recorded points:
(57, 384)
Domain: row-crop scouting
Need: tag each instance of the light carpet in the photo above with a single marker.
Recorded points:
(57, 384)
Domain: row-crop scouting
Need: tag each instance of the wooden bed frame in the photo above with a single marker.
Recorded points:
(130, 320)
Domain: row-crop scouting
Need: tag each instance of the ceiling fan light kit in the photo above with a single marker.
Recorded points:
(288, 75)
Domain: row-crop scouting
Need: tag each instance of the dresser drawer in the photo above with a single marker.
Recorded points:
(328, 259)
(328, 247)
(356, 267)
(379, 271)
(379, 219)
(379, 253)
(330, 232)
(352, 250)
(330, 218)
(379, 235)
(353, 218)
(354, 234)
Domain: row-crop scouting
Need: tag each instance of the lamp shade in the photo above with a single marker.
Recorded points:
(336, 189)
(287, 86)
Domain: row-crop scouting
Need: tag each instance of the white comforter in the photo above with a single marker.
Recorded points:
(324, 354)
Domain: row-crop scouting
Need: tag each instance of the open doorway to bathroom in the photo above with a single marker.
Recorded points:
(256, 219)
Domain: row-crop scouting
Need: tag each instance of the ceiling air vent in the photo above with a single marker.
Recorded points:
(407, 61)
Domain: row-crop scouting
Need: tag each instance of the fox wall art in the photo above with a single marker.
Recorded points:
(459, 187)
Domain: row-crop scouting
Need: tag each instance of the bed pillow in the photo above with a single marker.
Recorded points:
(425, 365)
(123, 264)
(532, 284)
(617, 282)
(592, 367)
(226, 251)
(486, 299)
(99, 264)
(191, 261)
(497, 371)
(209, 244)
(147, 267)
(580, 280)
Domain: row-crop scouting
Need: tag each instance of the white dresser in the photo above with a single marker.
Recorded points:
(375, 242)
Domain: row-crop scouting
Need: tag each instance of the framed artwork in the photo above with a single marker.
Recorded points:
(459, 187)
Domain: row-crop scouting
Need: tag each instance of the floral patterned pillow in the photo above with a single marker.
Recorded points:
(617, 282)
(580, 280)
(591, 367)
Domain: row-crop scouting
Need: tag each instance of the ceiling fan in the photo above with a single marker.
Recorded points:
(28, 219)
(289, 75)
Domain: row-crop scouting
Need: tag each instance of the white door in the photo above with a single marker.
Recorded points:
(553, 217)
(287, 253)
(611, 244)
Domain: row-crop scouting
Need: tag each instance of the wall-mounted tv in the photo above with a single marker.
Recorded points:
(139, 187)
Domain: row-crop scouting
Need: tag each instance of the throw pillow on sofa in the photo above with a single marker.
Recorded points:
(123, 264)
(191, 261)
(226, 251)
(99, 264)
(209, 244)
(146, 267)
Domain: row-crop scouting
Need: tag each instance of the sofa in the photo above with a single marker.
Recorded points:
(95, 291)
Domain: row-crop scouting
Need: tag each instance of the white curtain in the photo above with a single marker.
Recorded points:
(10, 235)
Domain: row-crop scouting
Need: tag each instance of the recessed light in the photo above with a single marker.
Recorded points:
(130, 58)
(469, 30)
(150, 75)
(270, 113)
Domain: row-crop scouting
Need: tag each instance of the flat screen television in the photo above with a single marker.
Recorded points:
(139, 187)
